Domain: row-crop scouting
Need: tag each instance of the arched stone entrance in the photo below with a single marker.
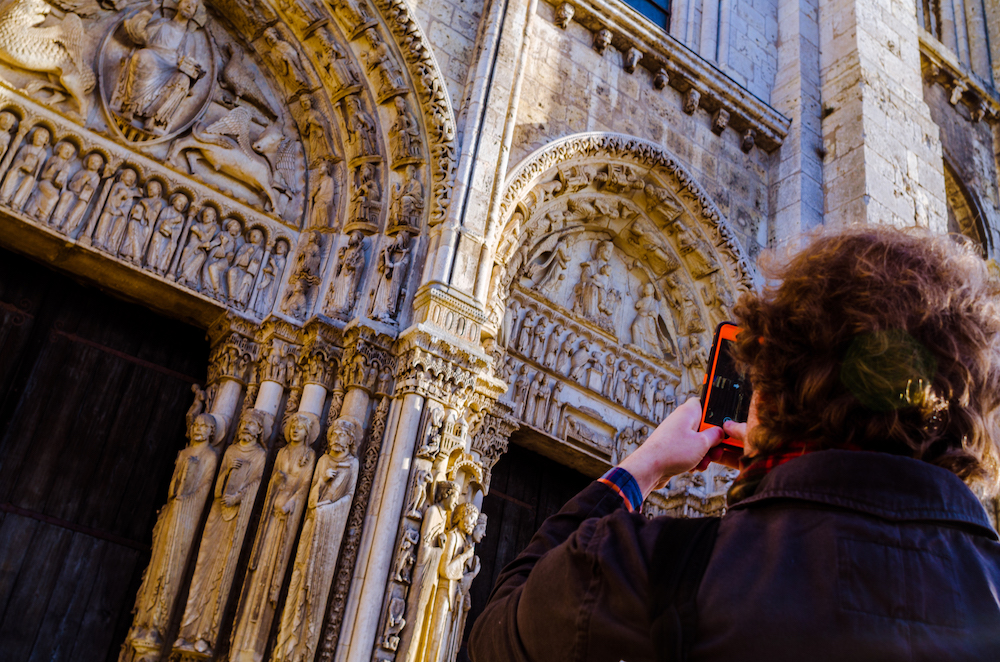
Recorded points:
(612, 271)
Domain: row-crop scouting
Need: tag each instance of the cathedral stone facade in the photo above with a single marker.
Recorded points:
(416, 233)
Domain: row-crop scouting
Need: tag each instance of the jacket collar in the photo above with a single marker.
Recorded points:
(888, 486)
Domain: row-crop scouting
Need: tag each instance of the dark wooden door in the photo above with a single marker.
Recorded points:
(93, 393)
(525, 488)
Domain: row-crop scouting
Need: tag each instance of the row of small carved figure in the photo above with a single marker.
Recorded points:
(220, 259)
(617, 379)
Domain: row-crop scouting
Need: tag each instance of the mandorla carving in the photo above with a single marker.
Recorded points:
(235, 491)
(286, 498)
(161, 70)
(55, 49)
(329, 502)
(173, 535)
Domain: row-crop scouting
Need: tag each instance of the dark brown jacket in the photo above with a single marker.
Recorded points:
(839, 555)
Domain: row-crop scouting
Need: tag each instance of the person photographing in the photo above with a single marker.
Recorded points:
(853, 531)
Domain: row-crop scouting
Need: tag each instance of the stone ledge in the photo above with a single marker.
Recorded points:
(684, 70)
(942, 67)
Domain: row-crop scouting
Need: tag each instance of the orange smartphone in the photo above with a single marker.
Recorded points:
(725, 392)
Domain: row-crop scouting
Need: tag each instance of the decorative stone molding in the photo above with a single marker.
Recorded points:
(450, 311)
(620, 26)
(435, 368)
(490, 440)
(940, 67)
(643, 153)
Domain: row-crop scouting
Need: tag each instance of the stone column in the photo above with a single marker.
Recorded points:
(798, 203)
(883, 162)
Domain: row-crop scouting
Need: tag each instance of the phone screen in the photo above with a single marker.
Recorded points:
(729, 396)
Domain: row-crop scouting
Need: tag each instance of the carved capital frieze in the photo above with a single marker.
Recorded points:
(491, 438)
(234, 350)
(368, 361)
(435, 368)
(445, 309)
(321, 355)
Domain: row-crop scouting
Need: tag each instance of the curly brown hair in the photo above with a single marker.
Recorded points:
(883, 339)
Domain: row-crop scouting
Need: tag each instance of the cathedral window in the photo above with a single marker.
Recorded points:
(658, 11)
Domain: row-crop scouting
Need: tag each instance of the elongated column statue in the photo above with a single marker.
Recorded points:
(423, 588)
(172, 537)
(329, 503)
(458, 550)
(286, 497)
(235, 490)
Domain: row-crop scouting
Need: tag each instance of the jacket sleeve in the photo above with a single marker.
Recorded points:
(579, 590)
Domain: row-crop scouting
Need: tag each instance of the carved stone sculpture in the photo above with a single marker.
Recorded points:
(538, 342)
(551, 352)
(564, 14)
(55, 48)
(663, 400)
(322, 201)
(426, 577)
(51, 182)
(174, 532)
(235, 490)
(287, 493)
(221, 252)
(646, 334)
(313, 129)
(631, 59)
(464, 600)
(159, 73)
(246, 265)
(142, 218)
(394, 623)
(330, 497)
(393, 268)
(717, 298)
(361, 128)
(695, 364)
(520, 390)
(404, 134)
(564, 362)
(634, 385)
(267, 286)
(691, 100)
(434, 436)
(602, 40)
(111, 224)
(7, 122)
(620, 384)
(406, 556)
(526, 333)
(594, 298)
(367, 203)
(682, 300)
(24, 169)
(458, 551)
(75, 199)
(382, 66)
(533, 392)
(555, 403)
(407, 201)
(228, 147)
(285, 58)
(350, 268)
(305, 278)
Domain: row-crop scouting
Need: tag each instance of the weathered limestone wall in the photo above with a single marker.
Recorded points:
(969, 149)
(883, 152)
(569, 87)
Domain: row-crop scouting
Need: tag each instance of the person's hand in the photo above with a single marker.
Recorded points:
(675, 446)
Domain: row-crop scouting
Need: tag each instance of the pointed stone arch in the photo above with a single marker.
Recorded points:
(613, 268)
